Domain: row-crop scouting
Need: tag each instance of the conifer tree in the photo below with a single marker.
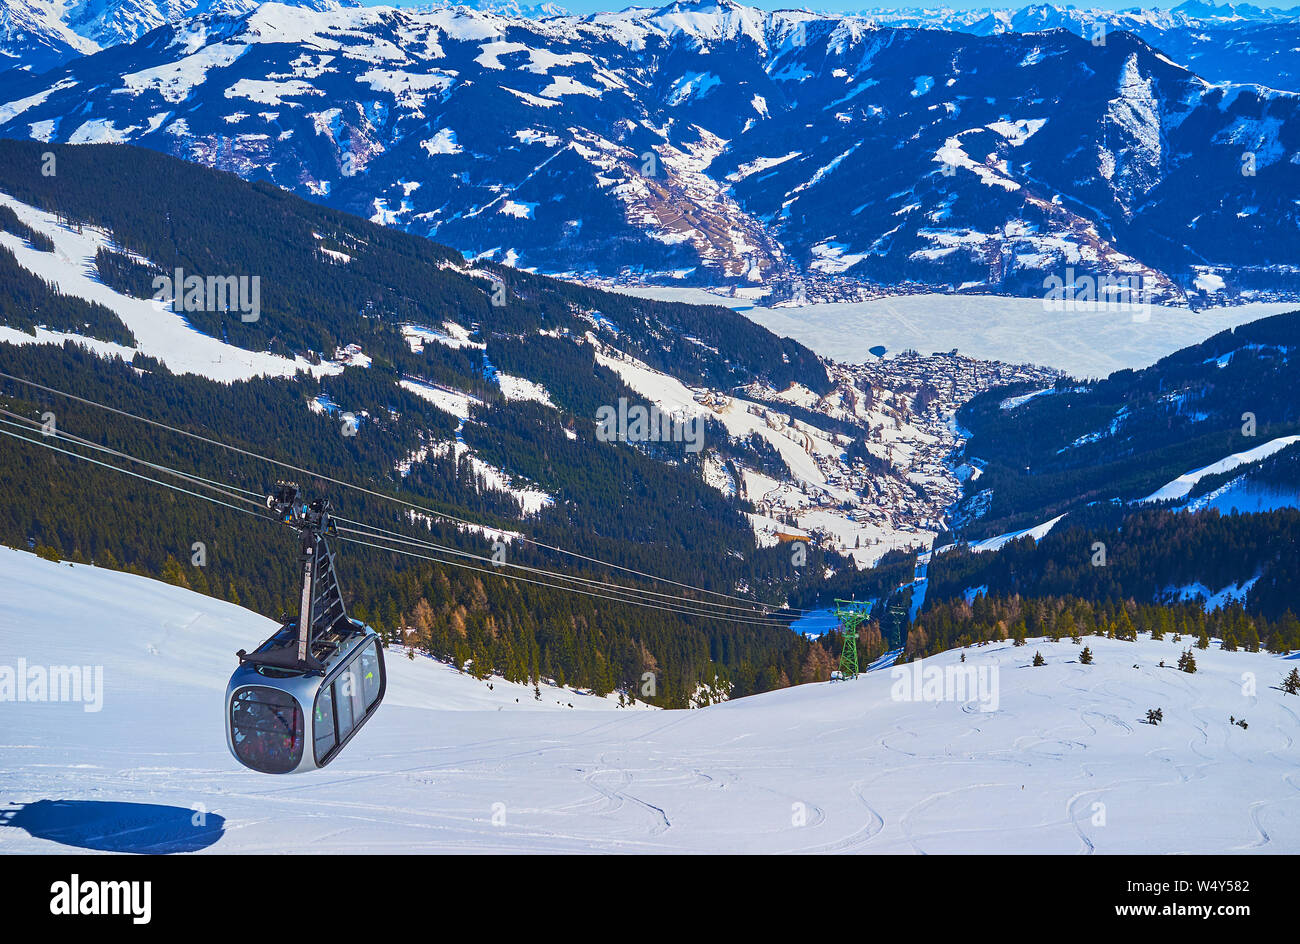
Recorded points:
(1250, 637)
(1124, 628)
(173, 573)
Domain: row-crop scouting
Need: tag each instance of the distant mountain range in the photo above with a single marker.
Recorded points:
(1227, 43)
(987, 20)
(37, 35)
(712, 143)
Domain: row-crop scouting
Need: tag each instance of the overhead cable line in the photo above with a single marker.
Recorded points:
(106, 465)
(230, 491)
(378, 533)
(680, 606)
(608, 597)
(384, 534)
(360, 488)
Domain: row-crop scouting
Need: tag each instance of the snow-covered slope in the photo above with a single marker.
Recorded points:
(1182, 486)
(34, 33)
(1062, 765)
(161, 331)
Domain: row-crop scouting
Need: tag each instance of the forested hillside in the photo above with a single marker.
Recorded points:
(1165, 497)
(990, 619)
(1147, 554)
(1125, 436)
(328, 281)
(209, 223)
(471, 390)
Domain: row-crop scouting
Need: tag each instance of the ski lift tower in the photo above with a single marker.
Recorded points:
(851, 614)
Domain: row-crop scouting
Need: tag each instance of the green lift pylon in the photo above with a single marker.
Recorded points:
(851, 614)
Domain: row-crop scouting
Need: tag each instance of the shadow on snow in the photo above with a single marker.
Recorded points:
(106, 826)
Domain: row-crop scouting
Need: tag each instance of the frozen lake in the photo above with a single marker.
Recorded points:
(1087, 343)
(815, 623)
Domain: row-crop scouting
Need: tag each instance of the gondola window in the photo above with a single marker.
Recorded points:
(267, 729)
(324, 723)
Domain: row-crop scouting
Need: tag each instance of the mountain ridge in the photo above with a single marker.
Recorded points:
(36, 35)
(616, 150)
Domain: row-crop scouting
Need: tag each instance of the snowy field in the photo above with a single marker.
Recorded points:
(1063, 765)
(1089, 343)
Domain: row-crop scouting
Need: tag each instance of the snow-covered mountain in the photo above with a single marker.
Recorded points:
(718, 143)
(39, 34)
(33, 33)
(1039, 16)
(1228, 43)
(1050, 759)
(1234, 12)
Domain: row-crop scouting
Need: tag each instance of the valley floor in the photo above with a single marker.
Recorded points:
(1063, 765)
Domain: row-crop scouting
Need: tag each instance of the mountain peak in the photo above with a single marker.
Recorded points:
(40, 34)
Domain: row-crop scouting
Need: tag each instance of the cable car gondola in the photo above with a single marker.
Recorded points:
(295, 701)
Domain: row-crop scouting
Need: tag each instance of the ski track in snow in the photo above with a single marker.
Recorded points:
(836, 767)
